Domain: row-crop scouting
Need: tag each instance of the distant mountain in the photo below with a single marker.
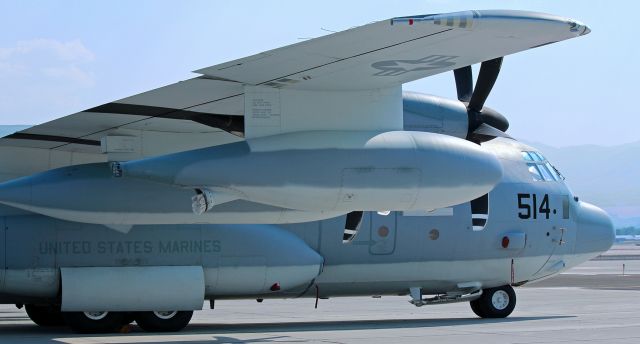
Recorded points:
(10, 129)
(606, 176)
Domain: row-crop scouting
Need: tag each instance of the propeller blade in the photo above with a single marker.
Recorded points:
(487, 77)
(485, 132)
(464, 83)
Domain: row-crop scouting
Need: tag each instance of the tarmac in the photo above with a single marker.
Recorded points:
(592, 303)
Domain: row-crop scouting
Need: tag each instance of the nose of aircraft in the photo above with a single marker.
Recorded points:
(595, 232)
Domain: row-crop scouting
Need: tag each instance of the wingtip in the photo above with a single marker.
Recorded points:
(586, 31)
(466, 19)
(579, 27)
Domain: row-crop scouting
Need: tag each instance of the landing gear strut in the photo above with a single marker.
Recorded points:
(496, 302)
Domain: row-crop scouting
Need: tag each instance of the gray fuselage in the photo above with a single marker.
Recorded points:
(546, 229)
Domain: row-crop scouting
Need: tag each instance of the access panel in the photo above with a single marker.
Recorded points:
(133, 288)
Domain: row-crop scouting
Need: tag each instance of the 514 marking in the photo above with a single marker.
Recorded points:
(528, 205)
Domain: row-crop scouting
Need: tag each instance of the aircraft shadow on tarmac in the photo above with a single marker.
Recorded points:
(217, 331)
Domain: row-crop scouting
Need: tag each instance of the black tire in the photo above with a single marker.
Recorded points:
(83, 322)
(495, 302)
(45, 315)
(128, 318)
(475, 307)
(154, 322)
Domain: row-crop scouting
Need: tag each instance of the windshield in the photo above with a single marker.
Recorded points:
(540, 168)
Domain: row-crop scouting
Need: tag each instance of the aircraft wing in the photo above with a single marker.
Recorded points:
(350, 80)
(398, 50)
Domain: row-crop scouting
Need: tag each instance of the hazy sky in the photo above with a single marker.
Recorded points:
(60, 57)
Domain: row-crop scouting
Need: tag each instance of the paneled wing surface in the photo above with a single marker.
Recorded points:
(350, 80)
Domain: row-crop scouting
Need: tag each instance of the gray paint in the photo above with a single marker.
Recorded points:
(98, 197)
(392, 256)
(275, 184)
(249, 258)
(591, 219)
(132, 288)
(43, 245)
(424, 112)
(408, 169)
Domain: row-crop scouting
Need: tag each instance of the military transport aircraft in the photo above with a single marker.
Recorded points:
(303, 171)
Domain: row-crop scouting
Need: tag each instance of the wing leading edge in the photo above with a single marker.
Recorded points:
(365, 64)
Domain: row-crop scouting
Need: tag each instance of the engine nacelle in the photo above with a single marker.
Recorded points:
(428, 113)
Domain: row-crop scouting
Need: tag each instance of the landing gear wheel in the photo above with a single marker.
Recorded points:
(495, 302)
(45, 315)
(163, 321)
(94, 322)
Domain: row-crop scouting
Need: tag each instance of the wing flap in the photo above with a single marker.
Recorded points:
(187, 94)
(198, 105)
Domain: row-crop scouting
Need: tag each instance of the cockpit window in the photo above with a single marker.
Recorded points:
(540, 168)
(533, 169)
(554, 171)
(526, 156)
(546, 173)
(536, 156)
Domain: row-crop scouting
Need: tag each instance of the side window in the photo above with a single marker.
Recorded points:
(480, 212)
